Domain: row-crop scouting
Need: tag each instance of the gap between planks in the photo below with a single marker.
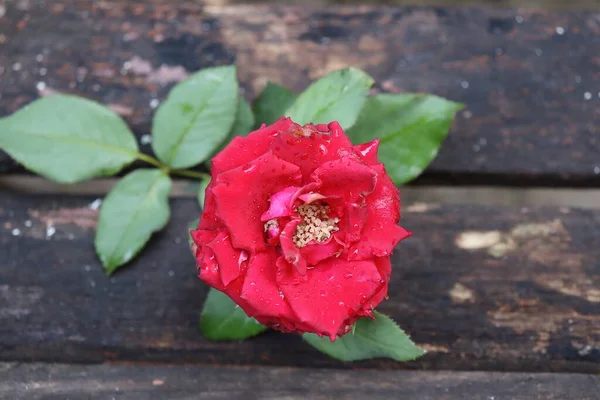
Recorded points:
(412, 196)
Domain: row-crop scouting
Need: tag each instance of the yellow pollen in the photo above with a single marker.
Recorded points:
(272, 223)
(316, 225)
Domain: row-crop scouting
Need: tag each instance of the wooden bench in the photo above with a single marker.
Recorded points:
(506, 299)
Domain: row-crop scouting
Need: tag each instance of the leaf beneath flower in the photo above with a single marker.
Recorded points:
(222, 319)
(378, 338)
(196, 117)
(411, 128)
(135, 208)
(68, 139)
(338, 96)
(272, 104)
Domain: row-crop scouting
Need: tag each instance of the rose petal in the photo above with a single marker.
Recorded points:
(281, 203)
(290, 251)
(345, 178)
(242, 194)
(368, 151)
(227, 257)
(260, 291)
(335, 290)
(380, 233)
(208, 219)
(315, 253)
(309, 152)
(242, 150)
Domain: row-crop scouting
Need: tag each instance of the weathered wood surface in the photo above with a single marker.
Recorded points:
(528, 78)
(47, 381)
(482, 288)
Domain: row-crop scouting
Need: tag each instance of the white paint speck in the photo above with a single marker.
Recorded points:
(577, 79)
(70, 236)
(127, 65)
(587, 96)
(597, 170)
(473, 240)
(92, 283)
(87, 268)
(146, 139)
(43, 71)
(538, 52)
(498, 51)
(171, 273)
(16, 66)
(27, 223)
(586, 350)
(94, 205)
(467, 114)
(16, 232)
(560, 30)
(476, 148)
(50, 231)
(39, 57)
(154, 103)
(519, 19)
(464, 84)
(40, 86)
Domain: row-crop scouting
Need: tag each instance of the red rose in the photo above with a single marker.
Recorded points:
(298, 227)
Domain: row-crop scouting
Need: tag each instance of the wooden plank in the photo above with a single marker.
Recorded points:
(524, 75)
(485, 195)
(43, 381)
(480, 287)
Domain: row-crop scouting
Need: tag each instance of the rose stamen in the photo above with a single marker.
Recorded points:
(315, 226)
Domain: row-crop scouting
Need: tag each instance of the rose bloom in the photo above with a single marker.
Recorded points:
(298, 227)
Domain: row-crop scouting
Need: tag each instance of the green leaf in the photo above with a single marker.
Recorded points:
(196, 117)
(244, 120)
(202, 191)
(272, 104)
(338, 96)
(411, 128)
(222, 319)
(378, 338)
(135, 208)
(68, 139)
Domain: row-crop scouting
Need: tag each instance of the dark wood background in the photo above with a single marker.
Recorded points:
(505, 299)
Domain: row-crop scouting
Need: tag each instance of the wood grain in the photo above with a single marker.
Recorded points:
(481, 288)
(47, 381)
(524, 75)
